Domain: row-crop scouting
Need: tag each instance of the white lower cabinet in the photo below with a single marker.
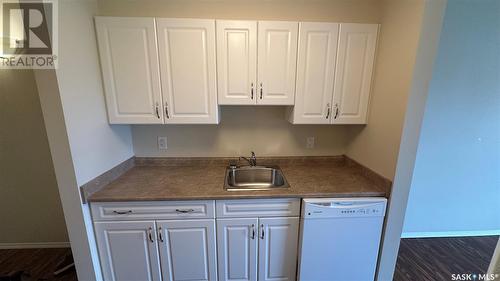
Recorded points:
(278, 240)
(191, 244)
(257, 249)
(237, 248)
(187, 249)
(128, 250)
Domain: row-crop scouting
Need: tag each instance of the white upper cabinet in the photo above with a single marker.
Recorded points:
(178, 71)
(357, 43)
(334, 73)
(277, 59)
(315, 72)
(237, 61)
(129, 61)
(188, 71)
(256, 62)
(128, 250)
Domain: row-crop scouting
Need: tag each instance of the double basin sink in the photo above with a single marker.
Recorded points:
(248, 178)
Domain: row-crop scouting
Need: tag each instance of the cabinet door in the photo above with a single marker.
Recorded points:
(187, 68)
(278, 248)
(187, 249)
(237, 61)
(237, 249)
(128, 250)
(353, 75)
(129, 61)
(277, 58)
(315, 72)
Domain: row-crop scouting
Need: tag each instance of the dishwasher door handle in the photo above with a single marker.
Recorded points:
(345, 205)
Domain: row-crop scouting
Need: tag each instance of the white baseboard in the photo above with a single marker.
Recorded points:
(450, 234)
(34, 245)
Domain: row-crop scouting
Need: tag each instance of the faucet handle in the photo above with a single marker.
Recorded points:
(253, 159)
(233, 164)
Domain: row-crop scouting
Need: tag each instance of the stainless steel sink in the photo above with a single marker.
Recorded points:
(254, 178)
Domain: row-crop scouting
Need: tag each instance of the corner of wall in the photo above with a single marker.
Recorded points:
(95, 145)
(426, 49)
(377, 144)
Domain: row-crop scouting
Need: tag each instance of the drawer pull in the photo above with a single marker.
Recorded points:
(184, 211)
(123, 212)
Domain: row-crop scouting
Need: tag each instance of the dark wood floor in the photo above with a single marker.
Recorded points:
(426, 259)
(432, 259)
(39, 263)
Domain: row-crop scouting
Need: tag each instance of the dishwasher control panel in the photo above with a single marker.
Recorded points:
(343, 207)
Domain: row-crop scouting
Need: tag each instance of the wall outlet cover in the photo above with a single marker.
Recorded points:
(310, 142)
(162, 143)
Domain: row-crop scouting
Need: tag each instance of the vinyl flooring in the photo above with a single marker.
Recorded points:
(430, 259)
(425, 259)
(38, 263)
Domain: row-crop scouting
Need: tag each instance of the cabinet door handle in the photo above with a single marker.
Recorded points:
(166, 111)
(327, 110)
(157, 111)
(184, 211)
(253, 231)
(160, 235)
(336, 111)
(150, 234)
(251, 92)
(260, 90)
(261, 231)
(122, 212)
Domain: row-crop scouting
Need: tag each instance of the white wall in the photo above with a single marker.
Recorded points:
(95, 145)
(456, 183)
(87, 265)
(83, 144)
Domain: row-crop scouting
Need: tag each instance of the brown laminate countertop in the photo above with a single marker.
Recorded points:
(185, 182)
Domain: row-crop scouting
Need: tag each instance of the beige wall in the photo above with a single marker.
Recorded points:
(30, 208)
(313, 10)
(377, 144)
(242, 129)
(426, 52)
(263, 129)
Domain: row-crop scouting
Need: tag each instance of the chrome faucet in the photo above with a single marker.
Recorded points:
(252, 161)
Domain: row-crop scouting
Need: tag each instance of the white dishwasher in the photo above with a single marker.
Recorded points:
(340, 238)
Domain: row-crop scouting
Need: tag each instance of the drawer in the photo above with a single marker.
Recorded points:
(152, 210)
(258, 208)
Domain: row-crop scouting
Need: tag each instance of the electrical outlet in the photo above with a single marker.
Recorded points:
(310, 142)
(162, 143)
